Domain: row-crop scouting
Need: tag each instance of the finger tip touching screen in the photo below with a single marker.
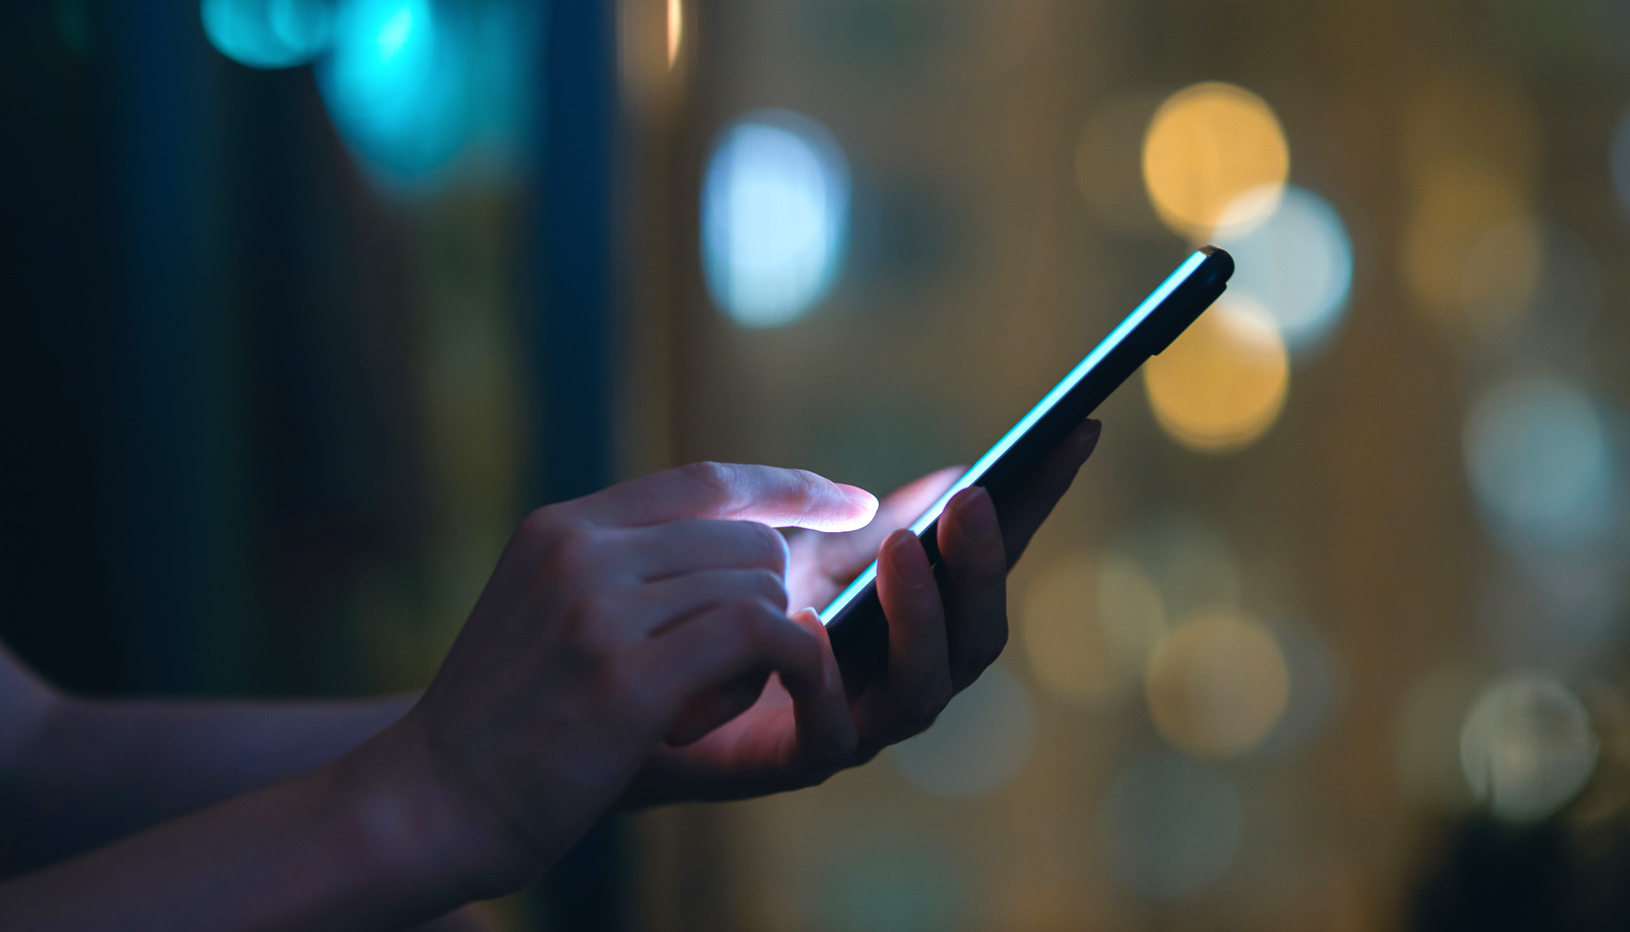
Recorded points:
(855, 620)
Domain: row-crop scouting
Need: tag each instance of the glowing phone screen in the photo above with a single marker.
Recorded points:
(975, 472)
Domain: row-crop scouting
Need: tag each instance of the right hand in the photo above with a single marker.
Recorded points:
(609, 621)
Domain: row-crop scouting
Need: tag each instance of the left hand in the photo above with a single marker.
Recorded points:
(939, 641)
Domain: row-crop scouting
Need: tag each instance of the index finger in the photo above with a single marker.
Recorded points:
(826, 559)
(726, 491)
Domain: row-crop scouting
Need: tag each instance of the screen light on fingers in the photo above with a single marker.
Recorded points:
(1063, 388)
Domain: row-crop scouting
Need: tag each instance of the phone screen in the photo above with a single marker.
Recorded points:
(1116, 337)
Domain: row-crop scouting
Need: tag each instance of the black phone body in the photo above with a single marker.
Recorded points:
(854, 620)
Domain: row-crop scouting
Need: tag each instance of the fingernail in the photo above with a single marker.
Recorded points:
(978, 517)
(859, 497)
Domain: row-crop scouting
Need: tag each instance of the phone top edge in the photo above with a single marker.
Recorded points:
(977, 471)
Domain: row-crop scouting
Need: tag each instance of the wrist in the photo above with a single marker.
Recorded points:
(412, 820)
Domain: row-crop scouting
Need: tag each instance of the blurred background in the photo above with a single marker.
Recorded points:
(309, 301)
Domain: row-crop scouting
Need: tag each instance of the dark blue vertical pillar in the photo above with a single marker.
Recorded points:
(575, 300)
(573, 332)
(169, 467)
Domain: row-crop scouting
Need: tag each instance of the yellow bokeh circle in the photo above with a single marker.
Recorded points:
(1471, 251)
(1089, 625)
(1217, 684)
(1205, 147)
(1221, 384)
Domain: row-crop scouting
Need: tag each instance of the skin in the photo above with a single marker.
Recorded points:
(632, 647)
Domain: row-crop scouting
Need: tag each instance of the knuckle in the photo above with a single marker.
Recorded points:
(743, 613)
(769, 586)
(573, 552)
(712, 479)
(537, 524)
(806, 491)
(766, 542)
(751, 617)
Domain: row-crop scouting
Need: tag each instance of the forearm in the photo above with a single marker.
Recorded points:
(366, 842)
(97, 771)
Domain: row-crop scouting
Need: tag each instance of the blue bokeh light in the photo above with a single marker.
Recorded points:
(268, 33)
(775, 217)
(1297, 264)
(1170, 826)
(379, 83)
(1619, 159)
(1539, 456)
(412, 85)
(977, 744)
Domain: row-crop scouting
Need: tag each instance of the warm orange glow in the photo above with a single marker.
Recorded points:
(1206, 146)
(1089, 625)
(1217, 685)
(1471, 252)
(1221, 384)
(676, 29)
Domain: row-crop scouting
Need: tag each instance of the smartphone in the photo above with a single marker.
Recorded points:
(855, 620)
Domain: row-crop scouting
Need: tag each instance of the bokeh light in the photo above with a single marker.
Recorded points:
(1089, 625)
(676, 29)
(1470, 254)
(1470, 146)
(1316, 689)
(981, 739)
(1223, 382)
(384, 53)
(268, 33)
(1186, 559)
(413, 85)
(1470, 118)
(1538, 453)
(1502, 271)
(1620, 156)
(1297, 264)
(1527, 746)
(775, 217)
(889, 888)
(1206, 146)
(1217, 684)
(1170, 826)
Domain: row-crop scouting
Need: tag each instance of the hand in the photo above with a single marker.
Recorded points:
(608, 620)
(940, 638)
